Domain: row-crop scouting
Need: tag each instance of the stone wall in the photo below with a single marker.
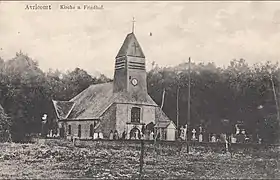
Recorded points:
(123, 115)
(85, 128)
(108, 121)
(149, 114)
(115, 118)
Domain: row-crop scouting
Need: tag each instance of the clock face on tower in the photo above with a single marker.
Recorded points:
(134, 82)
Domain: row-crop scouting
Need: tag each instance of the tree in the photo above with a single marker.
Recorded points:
(231, 93)
(26, 92)
(5, 126)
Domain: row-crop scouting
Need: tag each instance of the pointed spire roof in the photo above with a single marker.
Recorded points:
(131, 47)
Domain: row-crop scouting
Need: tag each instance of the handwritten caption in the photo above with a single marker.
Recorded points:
(64, 7)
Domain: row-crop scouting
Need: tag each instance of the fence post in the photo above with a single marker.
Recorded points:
(188, 147)
(141, 158)
(74, 140)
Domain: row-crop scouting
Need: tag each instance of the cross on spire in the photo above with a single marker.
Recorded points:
(133, 21)
(135, 47)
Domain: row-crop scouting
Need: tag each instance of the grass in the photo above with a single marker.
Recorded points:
(60, 161)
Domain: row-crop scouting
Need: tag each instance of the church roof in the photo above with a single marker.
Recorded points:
(63, 108)
(161, 115)
(164, 124)
(131, 47)
(3, 115)
(164, 120)
(91, 102)
(95, 100)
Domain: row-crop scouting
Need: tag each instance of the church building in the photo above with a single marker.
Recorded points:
(121, 107)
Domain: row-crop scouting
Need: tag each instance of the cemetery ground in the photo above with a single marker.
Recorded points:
(61, 159)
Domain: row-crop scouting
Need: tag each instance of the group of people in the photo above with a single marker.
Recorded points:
(114, 135)
(133, 135)
(51, 134)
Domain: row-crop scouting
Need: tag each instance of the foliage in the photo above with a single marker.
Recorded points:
(233, 93)
(26, 92)
(5, 126)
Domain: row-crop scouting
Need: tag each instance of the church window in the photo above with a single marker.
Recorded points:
(94, 124)
(79, 130)
(69, 129)
(135, 114)
(91, 130)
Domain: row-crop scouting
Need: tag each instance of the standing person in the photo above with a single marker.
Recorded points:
(226, 146)
(243, 136)
(182, 133)
(111, 135)
(151, 136)
(124, 135)
(116, 136)
(44, 126)
(213, 138)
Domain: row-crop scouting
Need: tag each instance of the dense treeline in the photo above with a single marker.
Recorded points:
(239, 93)
(221, 97)
(26, 92)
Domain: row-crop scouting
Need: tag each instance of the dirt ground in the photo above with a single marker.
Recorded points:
(55, 161)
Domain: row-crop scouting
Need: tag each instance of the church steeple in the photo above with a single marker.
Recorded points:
(130, 47)
(130, 68)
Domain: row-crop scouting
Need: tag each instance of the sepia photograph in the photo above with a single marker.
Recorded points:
(139, 90)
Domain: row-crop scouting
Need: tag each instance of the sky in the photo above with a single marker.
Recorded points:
(90, 39)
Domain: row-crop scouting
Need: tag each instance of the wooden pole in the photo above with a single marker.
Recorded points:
(177, 110)
(189, 94)
(189, 105)
(162, 99)
(275, 98)
(141, 158)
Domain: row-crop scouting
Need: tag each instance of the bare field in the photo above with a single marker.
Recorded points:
(58, 161)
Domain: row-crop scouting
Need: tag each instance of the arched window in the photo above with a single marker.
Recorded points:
(94, 123)
(91, 130)
(61, 131)
(69, 129)
(79, 131)
(135, 114)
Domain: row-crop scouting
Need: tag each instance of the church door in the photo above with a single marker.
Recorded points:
(135, 133)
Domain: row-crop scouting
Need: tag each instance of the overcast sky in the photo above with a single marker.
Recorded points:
(90, 39)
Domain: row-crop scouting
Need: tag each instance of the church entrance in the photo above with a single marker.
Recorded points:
(135, 133)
